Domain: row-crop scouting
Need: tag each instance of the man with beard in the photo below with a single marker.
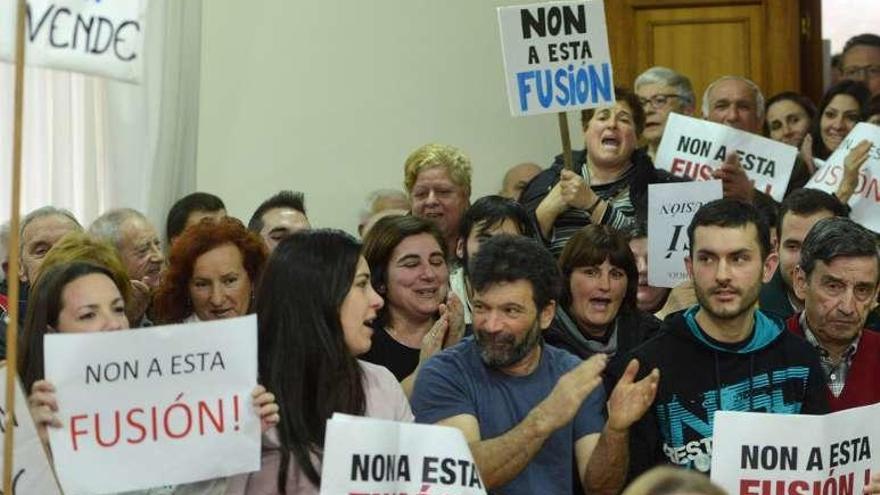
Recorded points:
(723, 353)
(797, 215)
(838, 278)
(528, 409)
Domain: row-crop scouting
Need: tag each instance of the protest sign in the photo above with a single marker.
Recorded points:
(865, 201)
(694, 148)
(31, 472)
(556, 56)
(154, 406)
(786, 454)
(670, 209)
(365, 455)
(100, 38)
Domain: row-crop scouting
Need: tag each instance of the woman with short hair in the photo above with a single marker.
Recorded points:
(213, 268)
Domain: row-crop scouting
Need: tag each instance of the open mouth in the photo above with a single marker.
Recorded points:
(427, 293)
(610, 143)
(600, 303)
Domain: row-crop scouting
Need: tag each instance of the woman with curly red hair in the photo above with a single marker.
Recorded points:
(212, 270)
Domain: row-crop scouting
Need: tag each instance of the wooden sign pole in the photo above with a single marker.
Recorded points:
(566, 141)
(12, 327)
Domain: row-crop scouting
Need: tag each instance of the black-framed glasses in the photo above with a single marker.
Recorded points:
(657, 101)
(861, 72)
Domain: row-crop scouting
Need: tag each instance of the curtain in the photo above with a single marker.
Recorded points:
(92, 144)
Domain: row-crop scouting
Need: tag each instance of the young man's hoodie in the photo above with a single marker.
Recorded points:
(771, 371)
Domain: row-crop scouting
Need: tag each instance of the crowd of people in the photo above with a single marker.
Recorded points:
(524, 319)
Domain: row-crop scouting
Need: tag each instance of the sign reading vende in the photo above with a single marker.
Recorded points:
(154, 406)
(31, 472)
(365, 455)
(103, 38)
(694, 148)
(670, 210)
(784, 454)
(865, 201)
(556, 56)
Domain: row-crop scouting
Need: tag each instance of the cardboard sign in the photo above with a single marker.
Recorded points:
(694, 148)
(556, 56)
(865, 201)
(101, 38)
(784, 454)
(670, 210)
(31, 472)
(365, 455)
(154, 406)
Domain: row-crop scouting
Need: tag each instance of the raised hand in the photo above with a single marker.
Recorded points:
(566, 398)
(630, 400)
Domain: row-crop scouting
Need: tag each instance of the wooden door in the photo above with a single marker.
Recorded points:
(764, 40)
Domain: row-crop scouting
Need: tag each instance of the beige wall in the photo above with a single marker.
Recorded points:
(330, 96)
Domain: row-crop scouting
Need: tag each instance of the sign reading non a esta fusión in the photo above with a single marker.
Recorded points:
(556, 56)
(694, 148)
(365, 456)
(154, 406)
(865, 201)
(787, 454)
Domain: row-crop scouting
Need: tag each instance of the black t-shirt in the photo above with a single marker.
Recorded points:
(401, 360)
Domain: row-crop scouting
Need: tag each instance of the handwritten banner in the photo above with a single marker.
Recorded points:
(694, 148)
(94, 37)
(365, 455)
(761, 454)
(865, 201)
(154, 406)
(31, 472)
(670, 210)
(556, 56)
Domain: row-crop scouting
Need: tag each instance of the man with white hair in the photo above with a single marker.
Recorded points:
(140, 250)
(378, 201)
(735, 102)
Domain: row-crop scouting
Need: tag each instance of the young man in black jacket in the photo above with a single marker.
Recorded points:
(723, 353)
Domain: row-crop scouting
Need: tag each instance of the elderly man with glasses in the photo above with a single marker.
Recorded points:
(861, 61)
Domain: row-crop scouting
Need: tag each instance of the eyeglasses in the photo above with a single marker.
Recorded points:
(861, 73)
(657, 101)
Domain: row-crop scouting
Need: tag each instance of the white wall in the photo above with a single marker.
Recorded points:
(330, 96)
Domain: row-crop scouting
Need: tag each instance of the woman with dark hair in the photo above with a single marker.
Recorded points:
(212, 270)
(407, 257)
(316, 306)
(79, 297)
(609, 183)
(842, 107)
(597, 310)
(788, 117)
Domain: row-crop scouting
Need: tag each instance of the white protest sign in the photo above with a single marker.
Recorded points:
(556, 56)
(786, 454)
(31, 472)
(103, 38)
(694, 148)
(865, 201)
(154, 406)
(670, 209)
(365, 455)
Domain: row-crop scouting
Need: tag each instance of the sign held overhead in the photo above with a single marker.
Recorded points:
(556, 56)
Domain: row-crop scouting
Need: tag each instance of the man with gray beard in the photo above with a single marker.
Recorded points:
(528, 409)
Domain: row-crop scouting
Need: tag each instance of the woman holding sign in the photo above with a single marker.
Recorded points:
(609, 183)
(79, 297)
(212, 270)
(316, 307)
